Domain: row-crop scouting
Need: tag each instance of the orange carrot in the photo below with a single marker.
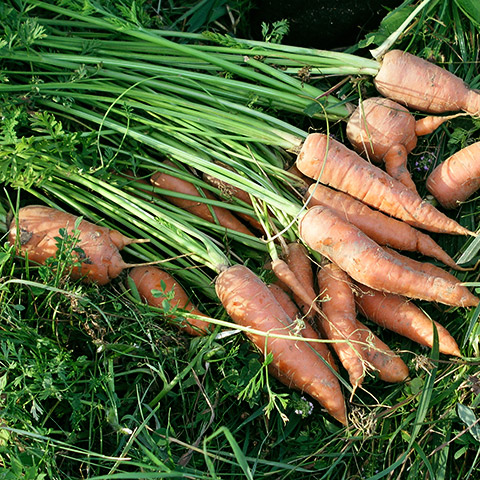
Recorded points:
(365, 349)
(39, 227)
(422, 85)
(214, 214)
(155, 287)
(345, 170)
(457, 178)
(384, 131)
(370, 264)
(231, 191)
(338, 321)
(306, 330)
(399, 315)
(300, 264)
(379, 227)
(249, 303)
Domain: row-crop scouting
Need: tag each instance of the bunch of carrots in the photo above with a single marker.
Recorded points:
(351, 219)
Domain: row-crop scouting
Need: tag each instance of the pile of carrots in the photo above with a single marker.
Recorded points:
(355, 217)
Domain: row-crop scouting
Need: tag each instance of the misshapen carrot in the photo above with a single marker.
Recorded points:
(383, 229)
(155, 286)
(249, 303)
(361, 348)
(457, 178)
(370, 264)
(213, 214)
(305, 329)
(399, 315)
(38, 230)
(422, 85)
(328, 160)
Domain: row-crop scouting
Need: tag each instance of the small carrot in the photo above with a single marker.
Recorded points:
(96, 248)
(401, 316)
(370, 264)
(328, 160)
(213, 214)
(155, 286)
(249, 303)
(422, 85)
(457, 178)
(304, 327)
(383, 229)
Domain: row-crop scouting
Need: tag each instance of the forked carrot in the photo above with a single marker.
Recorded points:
(249, 303)
(328, 160)
(370, 264)
(422, 85)
(457, 178)
(399, 315)
(383, 229)
(361, 349)
(96, 248)
(213, 214)
(155, 286)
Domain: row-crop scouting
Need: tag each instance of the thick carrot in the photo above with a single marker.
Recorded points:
(383, 229)
(306, 330)
(96, 247)
(384, 131)
(214, 214)
(457, 178)
(155, 287)
(370, 264)
(422, 85)
(401, 316)
(343, 169)
(249, 303)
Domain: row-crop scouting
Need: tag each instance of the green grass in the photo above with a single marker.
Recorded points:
(94, 384)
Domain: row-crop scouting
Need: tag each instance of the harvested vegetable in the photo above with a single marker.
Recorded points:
(159, 288)
(213, 214)
(422, 85)
(383, 229)
(361, 349)
(35, 231)
(387, 132)
(328, 160)
(399, 315)
(457, 178)
(302, 326)
(370, 264)
(249, 303)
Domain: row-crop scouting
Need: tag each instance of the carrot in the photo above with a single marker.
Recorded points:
(343, 169)
(387, 132)
(422, 85)
(249, 303)
(97, 248)
(399, 315)
(213, 214)
(300, 264)
(379, 227)
(155, 286)
(231, 191)
(341, 323)
(370, 264)
(306, 330)
(457, 178)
